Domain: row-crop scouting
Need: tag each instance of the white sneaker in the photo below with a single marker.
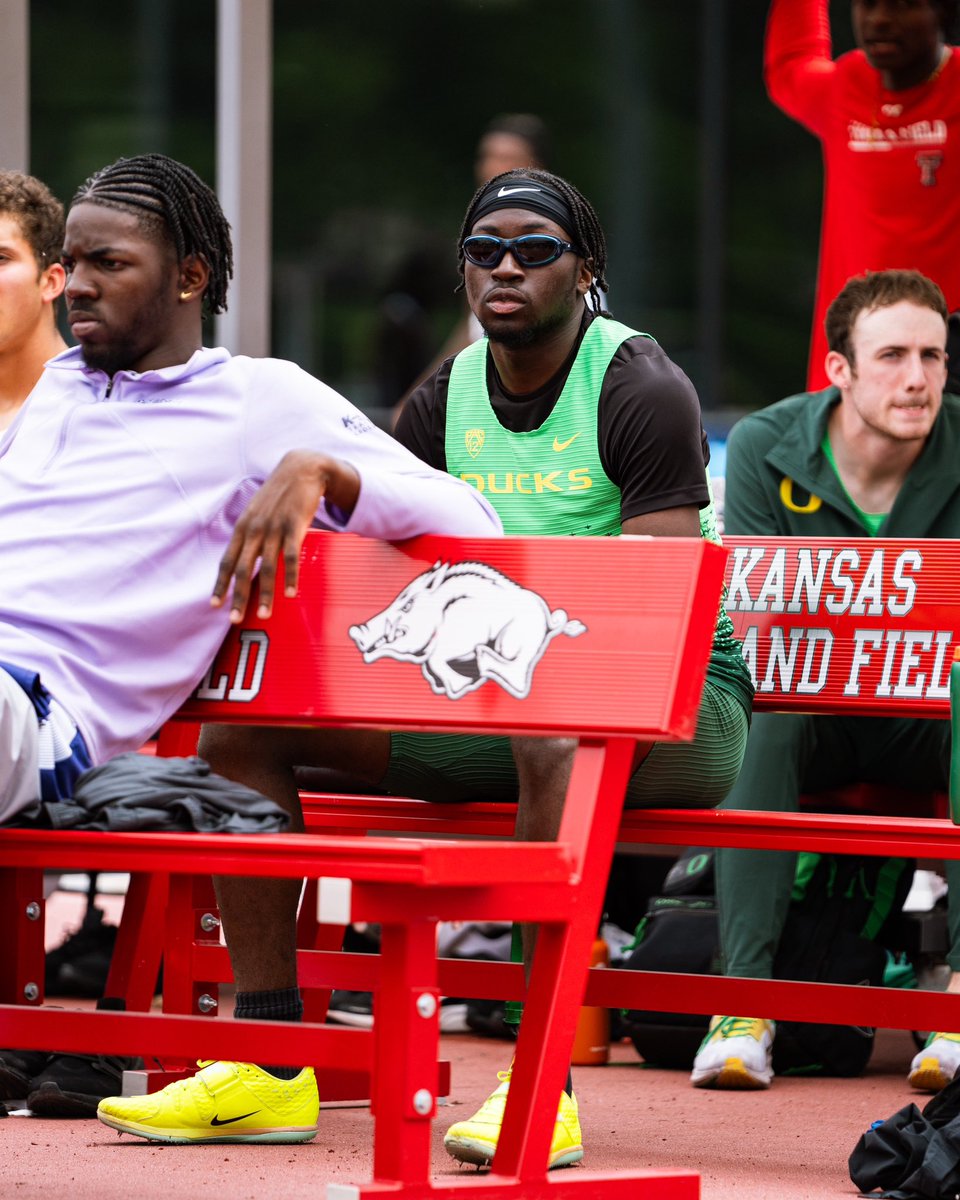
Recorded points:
(736, 1053)
(937, 1063)
(925, 890)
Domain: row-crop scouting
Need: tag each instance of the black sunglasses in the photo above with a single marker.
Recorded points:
(531, 250)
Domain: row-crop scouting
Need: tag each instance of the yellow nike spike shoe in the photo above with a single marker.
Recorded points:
(475, 1140)
(223, 1102)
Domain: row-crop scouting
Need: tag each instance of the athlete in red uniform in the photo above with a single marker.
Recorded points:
(888, 118)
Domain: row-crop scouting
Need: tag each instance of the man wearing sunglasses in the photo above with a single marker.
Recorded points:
(568, 423)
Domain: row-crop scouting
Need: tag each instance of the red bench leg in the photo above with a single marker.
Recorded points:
(406, 1041)
(139, 947)
(22, 912)
(191, 916)
(314, 935)
(559, 974)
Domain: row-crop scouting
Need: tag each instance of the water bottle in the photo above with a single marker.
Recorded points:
(591, 1043)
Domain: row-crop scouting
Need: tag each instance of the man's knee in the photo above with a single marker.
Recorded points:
(540, 760)
(360, 754)
(778, 748)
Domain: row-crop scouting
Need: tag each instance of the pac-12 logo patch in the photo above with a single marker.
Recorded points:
(474, 439)
(465, 623)
(356, 423)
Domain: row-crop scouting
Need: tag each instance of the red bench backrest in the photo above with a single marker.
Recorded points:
(861, 625)
(647, 608)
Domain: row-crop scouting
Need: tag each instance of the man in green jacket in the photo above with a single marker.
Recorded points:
(874, 454)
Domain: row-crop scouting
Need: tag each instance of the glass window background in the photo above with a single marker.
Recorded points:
(709, 196)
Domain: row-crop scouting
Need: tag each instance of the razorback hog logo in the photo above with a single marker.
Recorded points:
(464, 624)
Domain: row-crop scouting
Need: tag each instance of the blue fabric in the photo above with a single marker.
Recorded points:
(29, 681)
(58, 780)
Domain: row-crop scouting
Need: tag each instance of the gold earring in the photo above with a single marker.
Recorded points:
(186, 295)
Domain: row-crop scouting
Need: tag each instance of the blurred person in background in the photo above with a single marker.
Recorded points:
(511, 141)
(31, 281)
(885, 115)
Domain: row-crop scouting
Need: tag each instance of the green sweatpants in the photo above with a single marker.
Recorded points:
(789, 755)
(451, 768)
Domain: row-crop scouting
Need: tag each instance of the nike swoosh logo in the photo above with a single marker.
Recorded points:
(505, 191)
(230, 1120)
(558, 445)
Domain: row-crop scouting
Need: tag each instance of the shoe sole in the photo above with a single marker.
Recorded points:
(479, 1153)
(566, 1158)
(13, 1085)
(733, 1075)
(929, 1076)
(355, 1020)
(453, 1018)
(287, 1136)
(51, 1101)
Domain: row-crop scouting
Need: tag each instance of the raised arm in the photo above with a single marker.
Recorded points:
(797, 59)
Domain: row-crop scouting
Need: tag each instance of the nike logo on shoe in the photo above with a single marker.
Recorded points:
(215, 1121)
(558, 445)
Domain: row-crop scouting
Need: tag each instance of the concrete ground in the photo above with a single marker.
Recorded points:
(791, 1141)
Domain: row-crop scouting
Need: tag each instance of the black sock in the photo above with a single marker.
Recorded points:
(284, 1004)
(568, 1086)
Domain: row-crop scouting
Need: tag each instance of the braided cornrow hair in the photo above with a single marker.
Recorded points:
(587, 231)
(163, 192)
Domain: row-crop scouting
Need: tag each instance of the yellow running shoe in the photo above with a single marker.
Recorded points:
(223, 1102)
(475, 1140)
(736, 1053)
(937, 1063)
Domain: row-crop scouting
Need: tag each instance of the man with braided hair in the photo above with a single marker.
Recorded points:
(142, 462)
(587, 427)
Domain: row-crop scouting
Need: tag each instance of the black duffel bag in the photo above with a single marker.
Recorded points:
(833, 934)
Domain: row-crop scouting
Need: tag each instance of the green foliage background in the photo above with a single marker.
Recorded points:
(378, 107)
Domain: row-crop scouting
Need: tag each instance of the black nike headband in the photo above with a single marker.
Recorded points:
(519, 191)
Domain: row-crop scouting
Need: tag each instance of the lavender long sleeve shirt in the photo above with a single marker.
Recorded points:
(118, 499)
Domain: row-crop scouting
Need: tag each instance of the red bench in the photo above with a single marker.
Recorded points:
(580, 677)
(861, 626)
